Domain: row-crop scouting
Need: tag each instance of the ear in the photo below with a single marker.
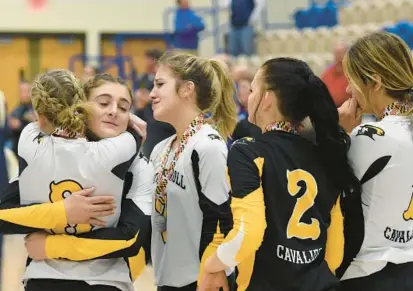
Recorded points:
(377, 83)
(268, 100)
(187, 89)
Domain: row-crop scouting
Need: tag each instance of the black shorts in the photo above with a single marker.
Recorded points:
(392, 278)
(64, 285)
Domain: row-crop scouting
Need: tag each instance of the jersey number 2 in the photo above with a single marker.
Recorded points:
(295, 227)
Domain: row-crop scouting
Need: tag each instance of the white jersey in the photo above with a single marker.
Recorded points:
(384, 151)
(51, 168)
(197, 207)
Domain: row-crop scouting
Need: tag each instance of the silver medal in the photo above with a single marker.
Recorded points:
(160, 223)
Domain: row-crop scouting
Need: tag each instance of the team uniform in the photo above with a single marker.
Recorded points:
(382, 156)
(192, 216)
(284, 208)
(112, 166)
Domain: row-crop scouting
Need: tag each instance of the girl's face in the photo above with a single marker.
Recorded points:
(254, 98)
(166, 103)
(110, 105)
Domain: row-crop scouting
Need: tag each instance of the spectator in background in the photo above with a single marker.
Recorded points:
(226, 59)
(187, 27)
(334, 77)
(145, 80)
(22, 115)
(3, 165)
(4, 179)
(140, 101)
(89, 72)
(244, 128)
(245, 15)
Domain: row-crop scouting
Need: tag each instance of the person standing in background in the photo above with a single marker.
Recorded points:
(3, 164)
(21, 116)
(187, 27)
(334, 77)
(244, 128)
(244, 16)
(89, 72)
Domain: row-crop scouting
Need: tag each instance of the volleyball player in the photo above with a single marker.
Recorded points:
(284, 188)
(191, 212)
(380, 72)
(111, 101)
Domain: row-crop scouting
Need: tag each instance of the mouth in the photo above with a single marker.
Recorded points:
(109, 123)
(154, 103)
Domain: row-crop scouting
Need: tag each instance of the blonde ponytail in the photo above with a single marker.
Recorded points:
(214, 88)
(225, 113)
(73, 119)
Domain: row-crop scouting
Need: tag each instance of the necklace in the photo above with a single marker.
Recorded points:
(396, 108)
(60, 132)
(165, 173)
(283, 126)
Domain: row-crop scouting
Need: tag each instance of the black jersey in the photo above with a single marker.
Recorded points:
(282, 203)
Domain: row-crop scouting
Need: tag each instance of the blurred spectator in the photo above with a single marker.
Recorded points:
(3, 165)
(187, 27)
(244, 128)
(22, 115)
(3, 128)
(224, 58)
(88, 72)
(245, 15)
(145, 80)
(334, 76)
(239, 72)
(141, 101)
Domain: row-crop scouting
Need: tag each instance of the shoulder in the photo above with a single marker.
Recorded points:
(30, 138)
(142, 169)
(160, 147)
(369, 131)
(209, 141)
(372, 142)
(243, 149)
(31, 128)
(374, 134)
(140, 161)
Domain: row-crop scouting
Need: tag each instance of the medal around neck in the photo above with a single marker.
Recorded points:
(160, 223)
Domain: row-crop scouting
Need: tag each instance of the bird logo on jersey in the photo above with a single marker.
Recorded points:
(244, 140)
(39, 138)
(370, 131)
(61, 190)
(214, 136)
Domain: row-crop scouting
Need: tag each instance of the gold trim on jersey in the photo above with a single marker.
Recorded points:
(45, 216)
(210, 250)
(335, 238)
(249, 227)
(137, 264)
(80, 249)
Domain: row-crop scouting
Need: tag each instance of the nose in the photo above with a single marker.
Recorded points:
(113, 109)
(152, 94)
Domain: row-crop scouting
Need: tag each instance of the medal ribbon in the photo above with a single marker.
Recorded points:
(396, 108)
(165, 174)
(283, 126)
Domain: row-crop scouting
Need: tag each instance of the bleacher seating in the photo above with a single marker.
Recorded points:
(320, 27)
